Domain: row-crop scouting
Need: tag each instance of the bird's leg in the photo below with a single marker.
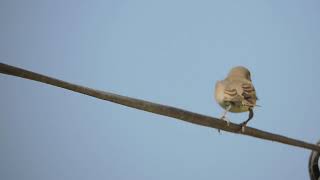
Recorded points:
(243, 124)
(223, 117)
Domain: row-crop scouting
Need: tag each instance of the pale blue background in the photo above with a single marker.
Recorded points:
(169, 52)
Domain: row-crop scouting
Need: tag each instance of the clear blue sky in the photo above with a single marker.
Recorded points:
(169, 52)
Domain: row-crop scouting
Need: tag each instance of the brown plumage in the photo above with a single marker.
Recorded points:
(236, 93)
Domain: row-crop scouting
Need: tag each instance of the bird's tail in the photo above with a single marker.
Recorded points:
(257, 105)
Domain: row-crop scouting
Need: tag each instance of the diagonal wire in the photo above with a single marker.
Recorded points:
(155, 108)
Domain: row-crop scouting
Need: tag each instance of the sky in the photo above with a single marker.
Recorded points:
(170, 52)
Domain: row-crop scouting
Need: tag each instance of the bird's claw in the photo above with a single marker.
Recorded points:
(243, 126)
(224, 118)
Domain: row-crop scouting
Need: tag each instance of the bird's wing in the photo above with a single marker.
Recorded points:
(226, 93)
(231, 94)
(248, 94)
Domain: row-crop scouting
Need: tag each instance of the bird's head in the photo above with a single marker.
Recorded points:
(240, 71)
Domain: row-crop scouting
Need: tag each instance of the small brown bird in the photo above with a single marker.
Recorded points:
(236, 93)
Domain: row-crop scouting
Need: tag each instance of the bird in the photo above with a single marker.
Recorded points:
(236, 94)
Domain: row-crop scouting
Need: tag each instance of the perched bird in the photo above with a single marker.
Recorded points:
(236, 93)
